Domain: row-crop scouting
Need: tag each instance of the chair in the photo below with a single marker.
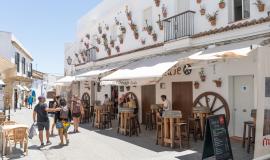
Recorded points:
(18, 135)
(178, 127)
(251, 136)
(246, 123)
(106, 120)
(194, 126)
(149, 124)
(9, 123)
(159, 133)
(132, 126)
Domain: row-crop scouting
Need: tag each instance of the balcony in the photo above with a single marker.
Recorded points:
(179, 26)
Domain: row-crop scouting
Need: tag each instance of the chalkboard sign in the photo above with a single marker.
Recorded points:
(216, 139)
(267, 87)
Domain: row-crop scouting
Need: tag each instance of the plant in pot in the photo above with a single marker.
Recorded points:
(128, 14)
(82, 56)
(159, 22)
(87, 36)
(112, 42)
(98, 40)
(109, 51)
(99, 29)
(133, 26)
(196, 85)
(202, 10)
(97, 49)
(157, 2)
(143, 41)
(121, 38)
(107, 27)
(136, 35)
(260, 5)
(117, 49)
(116, 21)
(154, 36)
(123, 29)
(164, 11)
(212, 18)
(221, 4)
(104, 36)
(81, 40)
(218, 82)
(77, 55)
(148, 28)
(86, 45)
(202, 75)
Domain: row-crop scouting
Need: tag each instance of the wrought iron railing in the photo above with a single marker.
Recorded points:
(178, 26)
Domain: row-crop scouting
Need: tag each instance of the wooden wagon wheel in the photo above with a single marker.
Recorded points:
(214, 102)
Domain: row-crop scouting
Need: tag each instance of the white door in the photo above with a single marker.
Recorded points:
(243, 102)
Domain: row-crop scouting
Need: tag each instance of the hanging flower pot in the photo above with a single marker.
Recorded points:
(202, 11)
(86, 45)
(87, 36)
(202, 75)
(148, 28)
(218, 82)
(260, 5)
(221, 4)
(116, 21)
(133, 26)
(97, 49)
(128, 14)
(196, 85)
(164, 11)
(121, 38)
(109, 52)
(159, 22)
(136, 35)
(157, 2)
(104, 36)
(123, 29)
(212, 18)
(198, 1)
(99, 29)
(154, 36)
(143, 41)
(112, 43)
(117, 49)
(107, 27)
(98, 40)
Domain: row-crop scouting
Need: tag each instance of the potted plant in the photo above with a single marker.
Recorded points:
(116, 21)
(86, 45)
(82, 40)
(133, 26)
(136, 35)
(128, 14)
(221, 4)
(104, 36)
(99, 29)
(202, 10)
(123, 29)
(97, 49)
(202, 75)
(218, 82)
(107, 27)
(196, 85)
(121, 38)
(87, 36)
(148, 28)
(109, 51)
(154, 36)
(164, 11)
(117, 49)
(112, 43)
(159, 22)
(260, 5)
(143, 41)
(212, 18)
(198, 1)
(98, 40)
(157, 2)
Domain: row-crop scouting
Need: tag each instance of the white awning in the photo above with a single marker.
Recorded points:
(145, 71)
(20, 87)
(66, 79)
(94, 74)
(2, 82)
(234, 50)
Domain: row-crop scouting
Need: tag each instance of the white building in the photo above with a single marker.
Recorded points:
(18, 79)
(149, 37)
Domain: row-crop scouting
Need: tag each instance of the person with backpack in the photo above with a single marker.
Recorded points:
(62, 122)
(77, 111)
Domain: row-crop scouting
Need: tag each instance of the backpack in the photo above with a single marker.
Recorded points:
(64, 112)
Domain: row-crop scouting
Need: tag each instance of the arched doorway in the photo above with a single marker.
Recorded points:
(86, 105)
(86, 100)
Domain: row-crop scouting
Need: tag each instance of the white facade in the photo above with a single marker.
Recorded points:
(106, 12)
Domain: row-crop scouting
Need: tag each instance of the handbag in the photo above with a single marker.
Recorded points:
(33, 131)
(59, 125)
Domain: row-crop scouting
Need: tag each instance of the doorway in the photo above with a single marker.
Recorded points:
(15, 99)
(148, 98)
(182, 98)
(243, 101)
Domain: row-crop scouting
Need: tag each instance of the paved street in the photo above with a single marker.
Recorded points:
(93, 144)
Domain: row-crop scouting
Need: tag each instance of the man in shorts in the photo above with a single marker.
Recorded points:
(41, 113)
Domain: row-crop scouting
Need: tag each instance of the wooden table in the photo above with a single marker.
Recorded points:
(3, 132)
(98, 111)
(170, 118)
(124, 114)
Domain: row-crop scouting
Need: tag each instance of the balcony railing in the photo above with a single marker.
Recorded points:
(178, 26)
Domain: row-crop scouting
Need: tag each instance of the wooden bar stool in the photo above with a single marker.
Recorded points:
(194, 126)
(149, 124)
(159, 132)
(132, 126)
(251, 136)
(244, 132)
(178, 127)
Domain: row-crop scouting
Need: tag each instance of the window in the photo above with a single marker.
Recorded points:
(240, 10)
(17, 61)
(23, 65)
(30, 69)
(181, 6)
(147, 16)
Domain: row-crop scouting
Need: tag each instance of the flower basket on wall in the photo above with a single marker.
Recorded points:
(196, 85)
(117, 49)
(212, 18)
(128, 14)
(260, 5)
(154, 36)
(98, 40)
(97, 49)
(99, 29)
(107, 27)
(218, 82)
(109, 51)
(164, 11)
(116, 21)
(159, 22)
(87, 36)
(104, 36)
(221, 4)
(157, 2)
(133, 26)
(148, 28)
(136, 35)
(112, 43)
(202, 75)
(121, 38)
(86, 45)
(123, 29)
(143, 41)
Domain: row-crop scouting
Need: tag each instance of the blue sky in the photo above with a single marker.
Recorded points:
(43, 26)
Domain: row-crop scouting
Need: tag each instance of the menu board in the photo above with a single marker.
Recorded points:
(216, 140)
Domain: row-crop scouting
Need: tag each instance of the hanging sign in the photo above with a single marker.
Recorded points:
(216, 140)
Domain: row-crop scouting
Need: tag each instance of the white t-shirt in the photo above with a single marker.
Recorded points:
(106, 100)
(166, 105)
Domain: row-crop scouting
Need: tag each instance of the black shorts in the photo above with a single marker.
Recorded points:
(42, 125)
(76, 115)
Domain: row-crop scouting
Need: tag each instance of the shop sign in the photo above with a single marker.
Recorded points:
(177, 70)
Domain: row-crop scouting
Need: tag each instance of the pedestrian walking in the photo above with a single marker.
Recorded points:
(40, 116)
(30, 101)
(55, 105)
(62, 122)
(77, 112)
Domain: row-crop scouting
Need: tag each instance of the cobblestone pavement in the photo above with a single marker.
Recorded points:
(93, 144)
